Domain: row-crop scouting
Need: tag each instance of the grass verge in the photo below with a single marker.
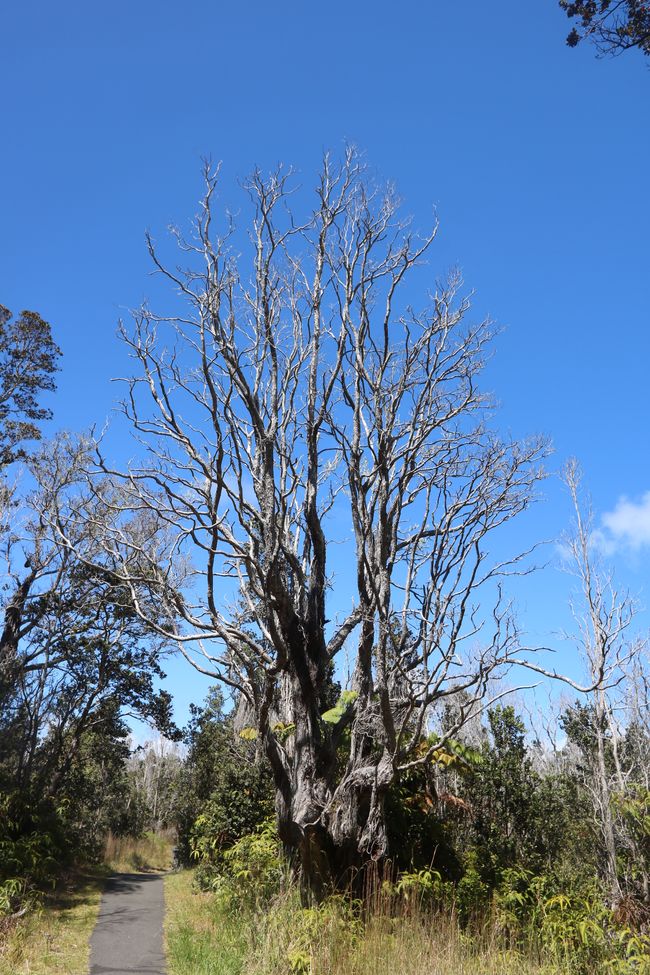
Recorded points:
(199, 939)
(206, 936)
(53, 940)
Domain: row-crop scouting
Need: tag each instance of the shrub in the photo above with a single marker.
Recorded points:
(249, 873)
(34, 842)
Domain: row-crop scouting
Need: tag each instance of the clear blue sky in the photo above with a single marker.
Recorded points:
(535, 156)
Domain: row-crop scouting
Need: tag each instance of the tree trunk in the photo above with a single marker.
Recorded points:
(10, 637)
(331, 821)
(606, 818)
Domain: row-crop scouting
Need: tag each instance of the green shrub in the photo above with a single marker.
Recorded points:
(573, 927)
(249, 873)
(224, 790)
(335, 922)
(472, 894)
(34, 842)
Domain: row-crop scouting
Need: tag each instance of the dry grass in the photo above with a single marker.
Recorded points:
(205, 938)
(412, 946)
(54, 939)
(126, 854)
(323, 943)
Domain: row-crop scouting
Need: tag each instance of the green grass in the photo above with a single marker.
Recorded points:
(204, 937)
(199, 939)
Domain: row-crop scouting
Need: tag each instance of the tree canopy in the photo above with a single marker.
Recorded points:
(613, 26)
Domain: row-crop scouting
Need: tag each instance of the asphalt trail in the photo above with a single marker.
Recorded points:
(128, 936)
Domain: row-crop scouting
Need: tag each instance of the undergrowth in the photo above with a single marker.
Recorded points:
(247, 918)
(205, 935)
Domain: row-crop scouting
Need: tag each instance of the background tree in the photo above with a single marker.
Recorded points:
(504, 797)
(28, 360)
(299, 400)
(610, 654)
(76, 660)
(225, 789)
(66, 626)
(612, 25)
(154, 773)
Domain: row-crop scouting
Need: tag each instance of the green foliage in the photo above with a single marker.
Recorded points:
(420, 834)
(425, 887)
(472, 894)
(231, 813)
(488, 839)
(632, 954)
(34, 842)
(225, 789)
(571, 926)
(28, 360)
(247, 874)
(335, 921)
(341, 709)
(452, 753)
(481, 835)
(504, 788)
(42, 835)
(283, 730)
(634, 807)
(520, 817)
(632, 811)
(82, 660)
(613, 25)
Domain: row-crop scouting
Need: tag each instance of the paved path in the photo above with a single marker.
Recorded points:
(128, 936)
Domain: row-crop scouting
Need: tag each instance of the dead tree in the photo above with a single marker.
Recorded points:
(609, 652)
(319, 452)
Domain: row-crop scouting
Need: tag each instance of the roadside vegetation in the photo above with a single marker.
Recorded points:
(499, 865)
(205, 936)
(52, 938)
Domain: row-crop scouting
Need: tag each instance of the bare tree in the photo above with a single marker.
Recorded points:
(154, 771)
(319, 449)
(609, 652)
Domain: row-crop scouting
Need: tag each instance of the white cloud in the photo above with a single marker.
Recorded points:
(628, 525)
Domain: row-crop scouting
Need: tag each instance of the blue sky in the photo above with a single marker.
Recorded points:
(536, 158)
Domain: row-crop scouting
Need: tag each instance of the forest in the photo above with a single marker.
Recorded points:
(353, 766)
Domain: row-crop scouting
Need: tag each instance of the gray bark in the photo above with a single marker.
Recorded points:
(296, 402)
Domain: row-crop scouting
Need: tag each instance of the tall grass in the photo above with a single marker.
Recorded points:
(207, 935)
(153, 851)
